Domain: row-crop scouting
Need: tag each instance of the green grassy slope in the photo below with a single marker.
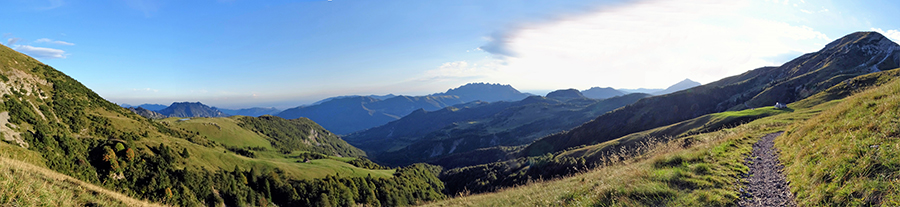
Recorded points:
(51, 120)
(24, 184)
(848, 155)
(700, 172)
(698, 167)
(221, 130)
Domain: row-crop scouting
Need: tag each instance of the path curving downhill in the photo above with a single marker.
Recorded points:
(766, 184)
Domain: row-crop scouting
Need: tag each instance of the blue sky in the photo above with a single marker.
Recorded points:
(241, 53)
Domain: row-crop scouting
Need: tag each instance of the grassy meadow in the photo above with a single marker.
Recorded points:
(837, 151)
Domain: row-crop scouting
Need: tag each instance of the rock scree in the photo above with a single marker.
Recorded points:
(766, 184)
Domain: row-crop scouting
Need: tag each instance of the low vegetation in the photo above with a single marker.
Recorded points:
(24, 184)
(707, 169)
(849, 155)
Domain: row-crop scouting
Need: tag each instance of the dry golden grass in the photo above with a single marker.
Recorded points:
(24, 184)
(639, 180)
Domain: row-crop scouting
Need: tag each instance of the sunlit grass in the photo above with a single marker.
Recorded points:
(848, 155)
(23, 184)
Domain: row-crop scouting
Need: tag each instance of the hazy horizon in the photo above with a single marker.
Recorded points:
(240, 54)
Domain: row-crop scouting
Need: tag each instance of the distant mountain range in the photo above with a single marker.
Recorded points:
(602, 93)
(195, 109)
(191, 109)
(485, 92)
(434, 136)
(347, 114)
(147, 113)
(152, 107)
(606, 92)
(254, 112)
(684, 84)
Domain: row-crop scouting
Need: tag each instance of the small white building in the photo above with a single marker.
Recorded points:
(779, 105)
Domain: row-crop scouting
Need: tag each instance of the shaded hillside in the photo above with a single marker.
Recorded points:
(429, 136)
(147, 113)
(649, 168)
(191, 109)
(565, 95)
(601, 93)
(684, 84)
(354, 113)
(850, 56)
(347, 114)
(254, 112)
(411, 128)
(299, 135)
(853, 55)
(485, 92)
(350, 96)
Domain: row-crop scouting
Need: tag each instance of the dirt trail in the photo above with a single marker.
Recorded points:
(767, 186)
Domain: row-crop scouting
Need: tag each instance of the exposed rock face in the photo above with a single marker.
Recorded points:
(147, 113)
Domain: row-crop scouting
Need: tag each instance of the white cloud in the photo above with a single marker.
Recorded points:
(12, 41)
(892, 34)
(41, 52)
(58, 42)
(646, 44)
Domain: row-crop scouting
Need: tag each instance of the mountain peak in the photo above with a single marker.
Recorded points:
(601, 93)
(684, 84)
(869, 42)
(191, 109)
(489, 92)
(565, 94)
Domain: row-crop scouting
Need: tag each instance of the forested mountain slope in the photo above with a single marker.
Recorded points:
(58, 122)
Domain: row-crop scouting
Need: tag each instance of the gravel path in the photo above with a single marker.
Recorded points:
(767, 186)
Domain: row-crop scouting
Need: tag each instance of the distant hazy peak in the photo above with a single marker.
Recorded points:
(601, 93)
(684, 84)
(489, 92)
(191, 109)
(565, 94)
(469, 87)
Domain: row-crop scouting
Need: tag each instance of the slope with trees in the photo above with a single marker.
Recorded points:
(55, 121)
